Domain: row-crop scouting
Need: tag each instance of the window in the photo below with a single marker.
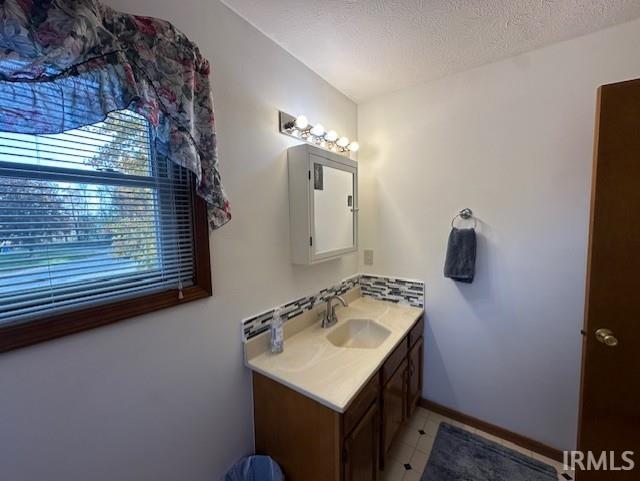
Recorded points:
(94, 228)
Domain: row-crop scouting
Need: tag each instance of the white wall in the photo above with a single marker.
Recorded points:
(165, 397)
(513, 141)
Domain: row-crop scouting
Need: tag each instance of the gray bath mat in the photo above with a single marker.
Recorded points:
(459, 455)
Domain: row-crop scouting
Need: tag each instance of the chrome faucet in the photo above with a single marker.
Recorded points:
(329, 318)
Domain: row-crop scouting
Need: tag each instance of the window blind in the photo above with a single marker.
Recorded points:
(90, 216)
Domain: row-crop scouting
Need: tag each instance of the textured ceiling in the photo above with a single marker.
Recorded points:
(369, 47)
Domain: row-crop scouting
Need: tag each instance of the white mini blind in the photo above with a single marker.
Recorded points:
(90, 216)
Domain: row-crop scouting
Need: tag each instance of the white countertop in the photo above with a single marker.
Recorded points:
(332, 375)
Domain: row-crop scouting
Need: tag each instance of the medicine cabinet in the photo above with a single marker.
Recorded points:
(323, 204)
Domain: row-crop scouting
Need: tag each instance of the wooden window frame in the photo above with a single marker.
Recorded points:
(63, 324)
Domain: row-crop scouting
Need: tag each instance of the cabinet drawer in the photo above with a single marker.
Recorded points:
(394, 360)
(416, 331)
(361, 403)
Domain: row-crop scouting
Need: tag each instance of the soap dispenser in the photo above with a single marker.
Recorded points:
(277, 334)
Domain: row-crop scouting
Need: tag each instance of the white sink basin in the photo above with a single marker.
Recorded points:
(358, 334)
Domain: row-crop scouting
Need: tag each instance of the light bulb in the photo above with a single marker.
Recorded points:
(317, 130)
(302, 122)
(331, 136)
(354, 146)
(343, 142)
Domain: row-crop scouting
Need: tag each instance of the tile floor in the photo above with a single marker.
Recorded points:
(410, 450)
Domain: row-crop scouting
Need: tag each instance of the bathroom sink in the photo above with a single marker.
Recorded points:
(358, 334)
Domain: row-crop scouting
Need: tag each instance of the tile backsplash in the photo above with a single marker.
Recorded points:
(384, 288)
(393, 289)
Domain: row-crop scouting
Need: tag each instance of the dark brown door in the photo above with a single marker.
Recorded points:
(610, 404)
(414, 383)
(393, 406)
(361, 448)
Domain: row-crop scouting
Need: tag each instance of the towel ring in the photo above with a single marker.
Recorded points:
(465, 214)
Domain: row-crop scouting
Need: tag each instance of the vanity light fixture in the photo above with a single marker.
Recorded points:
(331, 136)
(343, 142)
(301, 123)
(300, 128)
(317, 130)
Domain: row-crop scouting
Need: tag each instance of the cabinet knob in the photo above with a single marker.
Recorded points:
(606, 337)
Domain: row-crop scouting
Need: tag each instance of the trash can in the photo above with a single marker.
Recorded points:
(255, 468)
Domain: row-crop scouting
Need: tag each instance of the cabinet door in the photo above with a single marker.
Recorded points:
(333, 206)
(394, 401)
(361, 448)
(414, 384)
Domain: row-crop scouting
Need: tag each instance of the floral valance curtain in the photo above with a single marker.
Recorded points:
(71, 62)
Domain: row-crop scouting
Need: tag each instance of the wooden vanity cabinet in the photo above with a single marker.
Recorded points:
(302, 435)
(312, 442)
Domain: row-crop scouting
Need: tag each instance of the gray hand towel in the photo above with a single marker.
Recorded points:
(460, 264)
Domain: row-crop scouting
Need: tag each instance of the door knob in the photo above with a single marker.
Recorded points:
(606, 337)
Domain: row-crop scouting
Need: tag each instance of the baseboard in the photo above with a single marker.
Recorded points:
(518, 439)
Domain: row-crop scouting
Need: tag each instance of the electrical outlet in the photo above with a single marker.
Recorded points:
(368, 257)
